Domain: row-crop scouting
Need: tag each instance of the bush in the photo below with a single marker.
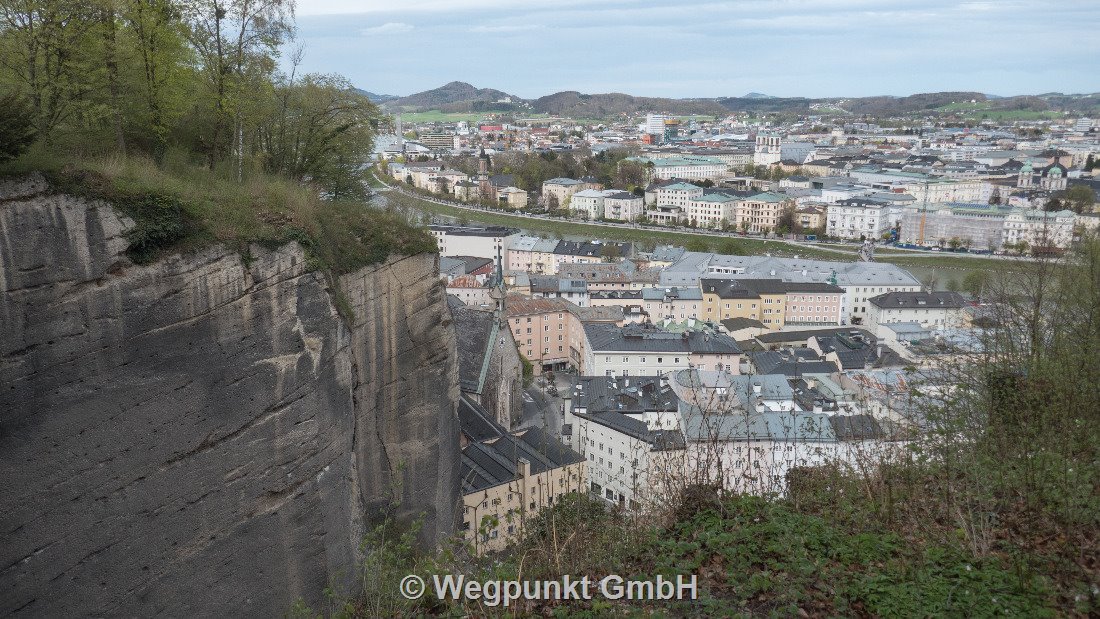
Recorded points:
(17, 131)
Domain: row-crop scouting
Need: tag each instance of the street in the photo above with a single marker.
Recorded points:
(543, 410)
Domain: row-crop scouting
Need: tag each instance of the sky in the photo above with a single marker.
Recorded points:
(688, 48)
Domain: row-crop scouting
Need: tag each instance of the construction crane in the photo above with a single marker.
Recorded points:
(923, 215)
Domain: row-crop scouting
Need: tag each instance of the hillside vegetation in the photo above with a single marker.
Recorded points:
(178, 116)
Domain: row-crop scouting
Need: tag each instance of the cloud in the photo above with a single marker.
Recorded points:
(393, 27)
(506, 29)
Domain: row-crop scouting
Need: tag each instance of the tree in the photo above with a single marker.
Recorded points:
(1053, 204)
(322, 133)
(976, 282)
(1080, 198)
(238, 42)
(17, 130)
(995, 197)
(1090, 163)
(45, 54)
(954, 243)
(609, 252)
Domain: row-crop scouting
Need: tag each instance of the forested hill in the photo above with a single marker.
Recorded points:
(452, 96)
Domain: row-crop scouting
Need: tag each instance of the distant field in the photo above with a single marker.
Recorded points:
(983, 110)
(435, 116)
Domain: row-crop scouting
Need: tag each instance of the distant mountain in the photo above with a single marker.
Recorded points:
(376, 98)
(578, 105)
(452, 97)
(463, 97)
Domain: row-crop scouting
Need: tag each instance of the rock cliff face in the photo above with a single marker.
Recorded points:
(202, 436)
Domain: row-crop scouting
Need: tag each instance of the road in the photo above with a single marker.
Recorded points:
(543, 410)
(847, 249)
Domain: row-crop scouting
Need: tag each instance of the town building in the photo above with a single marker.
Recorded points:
(489, 367)
(931, 310)
(749, 433)
(480, 241)
(628, 431)
(859, 280)
(761, 212)
(773, 302)
(684, 166)
(855, 219)
(635, 350)
(561, 190)
(548, 332)
(509, 477)
(769, 149)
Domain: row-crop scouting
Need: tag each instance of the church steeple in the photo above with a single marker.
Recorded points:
(497, 288)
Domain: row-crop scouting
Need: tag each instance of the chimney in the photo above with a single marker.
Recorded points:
(810, 383)
(756, 388)
(523, 467)
(818, 408)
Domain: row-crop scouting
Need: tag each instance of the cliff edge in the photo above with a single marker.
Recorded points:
(202, 436)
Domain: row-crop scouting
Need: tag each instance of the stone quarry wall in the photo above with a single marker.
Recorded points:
(199, 436)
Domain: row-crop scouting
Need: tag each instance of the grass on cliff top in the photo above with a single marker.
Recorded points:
(180, 206)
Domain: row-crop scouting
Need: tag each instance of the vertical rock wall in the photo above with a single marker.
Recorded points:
(202, 437)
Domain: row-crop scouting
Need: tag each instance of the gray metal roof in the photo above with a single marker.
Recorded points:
(919, 300)
(693, 266)
(643, 338)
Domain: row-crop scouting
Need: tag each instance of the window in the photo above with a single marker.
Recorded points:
(465, 525)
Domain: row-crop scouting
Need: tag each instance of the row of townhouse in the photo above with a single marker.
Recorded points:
(775, 303)
(643, 349)
(858, 280)
(644, 437)
(750, 432)
(654, 303)
(608, 204)
(546, 256)
(925, 188)
(562, 190)
(680, 203)
(681, 166)
(986, 226)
